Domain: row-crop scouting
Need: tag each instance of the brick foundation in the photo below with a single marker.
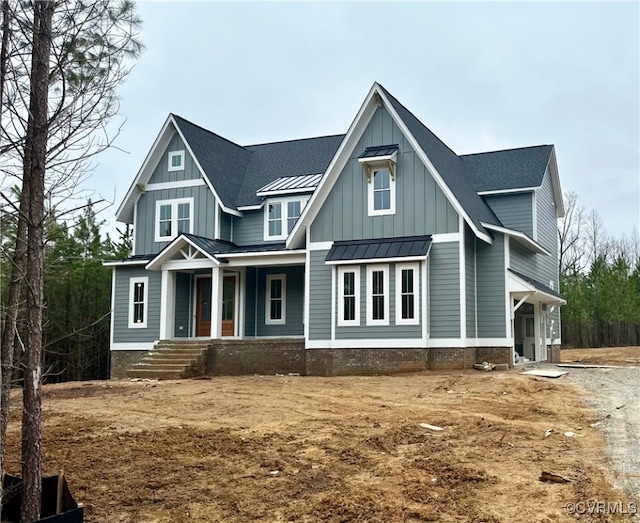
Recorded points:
(264, 356)
(121, 360)
(284, 356)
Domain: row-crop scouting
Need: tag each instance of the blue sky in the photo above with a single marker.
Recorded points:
(482, 76)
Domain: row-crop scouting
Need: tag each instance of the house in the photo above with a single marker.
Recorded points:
(379, 250)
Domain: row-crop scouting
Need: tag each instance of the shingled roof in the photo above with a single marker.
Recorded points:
(237, 172)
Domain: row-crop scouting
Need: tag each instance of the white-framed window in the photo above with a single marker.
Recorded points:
(378, 295)
(138, 302)
(276, 302)
(281, 215)
(349, 296)
(382, 193)
(173, 217)
(176, 161)
(407, 295)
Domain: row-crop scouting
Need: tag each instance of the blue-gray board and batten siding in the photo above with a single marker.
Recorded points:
(204, 204)
(421, 207)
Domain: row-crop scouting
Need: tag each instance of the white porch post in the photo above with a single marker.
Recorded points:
(216, 302)
(167, 304)
(537, 331)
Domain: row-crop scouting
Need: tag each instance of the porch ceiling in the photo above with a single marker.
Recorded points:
(521, 286)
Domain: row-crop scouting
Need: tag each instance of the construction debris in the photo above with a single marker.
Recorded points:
(431, 427)
(585, 366)
(485, 365)
(545, 373)
(552, 477)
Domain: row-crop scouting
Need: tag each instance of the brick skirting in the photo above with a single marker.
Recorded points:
(284, 356)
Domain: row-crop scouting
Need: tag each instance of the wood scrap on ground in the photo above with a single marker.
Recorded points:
(552, 477)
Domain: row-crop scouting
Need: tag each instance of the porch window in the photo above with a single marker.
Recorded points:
(138, 293)
(349, 296)
(377, 301)
(407, 302)
(276, 300)
(173, 217)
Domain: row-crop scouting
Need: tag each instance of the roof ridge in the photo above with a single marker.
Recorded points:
(507, 150)
(209, 132)
(294, 140)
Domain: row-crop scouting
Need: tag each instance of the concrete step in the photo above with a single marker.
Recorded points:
(167, 361)
(154, 374)
(178, 354)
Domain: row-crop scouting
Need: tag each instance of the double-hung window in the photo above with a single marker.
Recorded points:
(173, 217)
(378, 295)
(275, 312)
(348, 296)
(138, 293)
(293, 213)
(407, 297)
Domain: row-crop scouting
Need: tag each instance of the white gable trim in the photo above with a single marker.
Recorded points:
(507, 191)
(519, 237)
(125, 211)
(375, 98)
(174, 248)
(552, 167)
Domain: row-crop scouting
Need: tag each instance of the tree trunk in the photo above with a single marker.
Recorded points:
(37, 131)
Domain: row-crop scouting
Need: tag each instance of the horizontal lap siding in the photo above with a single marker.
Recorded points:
(491, 288)
(122, 333)
(547, 266)
(444, 291)
(470, 281)
(183, 308)
(249, 230)
(225, 226)
(319, 297)
(421, 207)
(391, 331)
(294, 302)
(250, 326)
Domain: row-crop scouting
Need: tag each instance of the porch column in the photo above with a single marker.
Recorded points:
(216, 303)
(167, 304)
(537, 332)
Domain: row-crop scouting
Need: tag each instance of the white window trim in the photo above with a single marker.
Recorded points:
(284, 215)
(172, 155)
(392, 195)
(132, 282)
(370, 270)
(416, 293)
(341, 271)
(174, 218)
(267, 309)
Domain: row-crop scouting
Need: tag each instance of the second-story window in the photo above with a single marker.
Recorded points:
(281, 215)
(173, 217)
(382, 193)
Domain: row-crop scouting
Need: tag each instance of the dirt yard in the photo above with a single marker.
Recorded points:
(608, 356)
(285, 448)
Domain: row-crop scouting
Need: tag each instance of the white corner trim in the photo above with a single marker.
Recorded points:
(112, 319)
(463, 286)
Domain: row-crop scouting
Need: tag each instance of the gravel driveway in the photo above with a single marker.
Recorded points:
(615, 399)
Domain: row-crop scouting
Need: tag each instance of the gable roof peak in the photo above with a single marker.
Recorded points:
(179, 119)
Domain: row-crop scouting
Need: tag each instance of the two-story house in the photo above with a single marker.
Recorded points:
(377, 250)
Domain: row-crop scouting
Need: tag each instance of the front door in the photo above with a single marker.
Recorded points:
(228, 306)
(203, 307)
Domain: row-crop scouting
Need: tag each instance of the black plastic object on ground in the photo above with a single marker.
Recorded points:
(58, 505)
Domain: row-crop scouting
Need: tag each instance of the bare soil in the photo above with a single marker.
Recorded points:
(626, 356)
(307, 449)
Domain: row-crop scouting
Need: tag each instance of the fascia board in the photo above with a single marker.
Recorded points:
(357, 127)
(144, 173)
(431, 168)
(226, 209)
(519, 236)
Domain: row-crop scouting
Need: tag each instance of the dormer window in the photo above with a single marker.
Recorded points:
(379, 165)
(281, 215)
(176, 161)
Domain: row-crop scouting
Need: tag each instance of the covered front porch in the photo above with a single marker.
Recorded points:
(212, 289)
(535, 316)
